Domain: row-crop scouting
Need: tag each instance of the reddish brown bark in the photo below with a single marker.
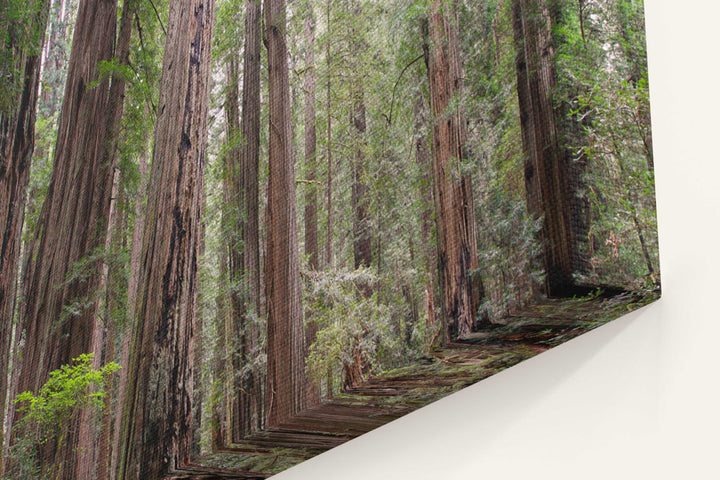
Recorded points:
(422, 157)
(251, 400)
(328, 152)
(242, 227)
(286, 382)
(551, 179)
(94, 455)
(311, 189)
(311, 206)
(135, 252)
(17, 132)
(222, 369)
(454, 209)
(156, 431)
(113, 281)
(60, 309)
(250, 155)
(234, 223)
(362, 239)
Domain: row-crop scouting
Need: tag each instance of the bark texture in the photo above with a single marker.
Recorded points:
(362, 240)
(242, 227)
(156, 430)
(94, 457)
(135, 252)
(312, 250)
(429, 255)
(454, 209)
(251, 388)
(63, 283)
(328, 152)
(233, 229)
(311, 202)
(17, 135)
(286, 383)
(222, 369)
(552, 179)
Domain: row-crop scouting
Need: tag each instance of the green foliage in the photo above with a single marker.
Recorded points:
(228, 31)
(116, 259)
(68, 390)
(21, 29)
(107, 69)
(354, 329)
(21, 461)
(507, 236)
(623, 242)
(603, 91)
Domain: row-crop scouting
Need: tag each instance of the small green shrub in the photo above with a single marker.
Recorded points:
(354, 329)
(69, 389)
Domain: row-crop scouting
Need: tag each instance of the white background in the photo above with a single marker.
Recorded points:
(636, 399)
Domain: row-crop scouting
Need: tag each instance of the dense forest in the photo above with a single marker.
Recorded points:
(235, 233)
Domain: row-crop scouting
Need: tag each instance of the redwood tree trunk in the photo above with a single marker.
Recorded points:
(156, 430)
(551, 180)
(234, 224)
(222, 369)
(328, 236)
(95, 452)
(242, 169)
(60, 308)
(362, 241)
(454, 209)
(17, 135)
(135, 252)
(251, 400)
(115, 282)
(311, 206)
(422, 156)
(286, 382)
(311, 199)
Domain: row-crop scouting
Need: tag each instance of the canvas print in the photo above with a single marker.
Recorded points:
(239, 233)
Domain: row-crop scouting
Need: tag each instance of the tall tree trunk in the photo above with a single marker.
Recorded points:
(17, 135)
(199, 379)
(422, 156)
(551, 181)
(362, 241)
(60, 307)
(135, 252)
(234, 225)
(286, 382)
(115, 282)
(328, 240)
(311, 200)
(157, 409)
(222, 367)
(95, 451)
(454, 209)
(250, 186)
(242, 170)
(311, 207)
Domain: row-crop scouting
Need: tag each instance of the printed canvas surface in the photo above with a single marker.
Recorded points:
(239, 233)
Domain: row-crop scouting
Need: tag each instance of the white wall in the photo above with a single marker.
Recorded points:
(636, 399)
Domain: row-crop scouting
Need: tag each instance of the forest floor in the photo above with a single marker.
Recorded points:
(394, 393)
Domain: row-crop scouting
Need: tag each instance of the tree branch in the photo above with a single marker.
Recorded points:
(392, 100)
